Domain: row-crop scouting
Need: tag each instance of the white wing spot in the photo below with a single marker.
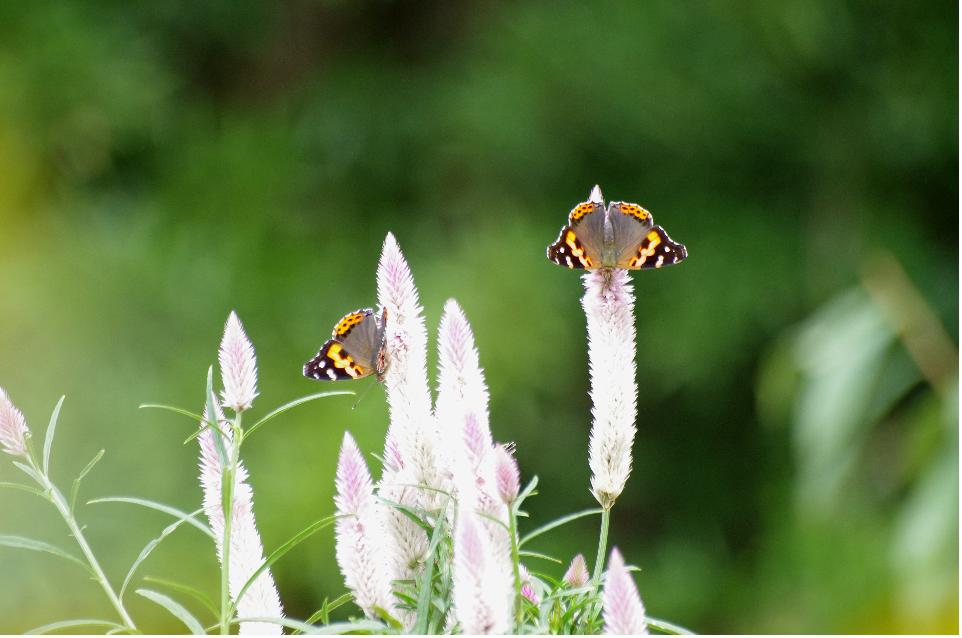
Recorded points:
(331, 374)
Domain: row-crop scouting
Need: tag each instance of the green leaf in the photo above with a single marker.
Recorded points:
(175, 608)
(39, 546)
(527, 491)
(70, 624)
(424, 599)
(541, 556)
(366, 626)
(276, 555)
(22, 487)
(410, 512)
(323, 614)
(151, 546)
(160, 507)
(547, 527)
(196, 418)
(48, 439)
(211, 402)
(392, 622)
(195, 593)
(29, 471)
(666, 627)
(75, 488)
(292, 404)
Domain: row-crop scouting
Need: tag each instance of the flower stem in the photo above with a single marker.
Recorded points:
(227, 491)
(58, 501)
(602, 546)
(516, 562)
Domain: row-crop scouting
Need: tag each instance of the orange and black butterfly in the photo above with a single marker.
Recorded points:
(623, 235)
(355, 350)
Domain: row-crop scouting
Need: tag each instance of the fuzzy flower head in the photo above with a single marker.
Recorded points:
(238, 366)
(507, 474)
(577, 574)
(609, 308)
(13, 428)
(362, 549)
(483, 590)
(622, 608)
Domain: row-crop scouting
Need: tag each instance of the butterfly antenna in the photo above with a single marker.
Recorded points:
(363, 394)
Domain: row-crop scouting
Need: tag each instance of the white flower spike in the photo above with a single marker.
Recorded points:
(246, 550)
(623, 611)
(238, 366)
(13, 428)
(609, 307)
(482, 591)
(362, 548)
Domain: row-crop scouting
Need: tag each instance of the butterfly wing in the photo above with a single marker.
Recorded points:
(580, 243)
(656, 249)
(630, 223)
(351, 352)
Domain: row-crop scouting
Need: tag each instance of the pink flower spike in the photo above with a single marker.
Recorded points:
(238, 366)
(13, 428)
(622, 608)
(528, 592)
(507, 474)
(577, 574)
(361, 546)
(482, 591)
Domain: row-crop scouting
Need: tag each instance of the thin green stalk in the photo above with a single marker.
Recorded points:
(227, 504)
(602, 546)
(55, 497)
(515, 560)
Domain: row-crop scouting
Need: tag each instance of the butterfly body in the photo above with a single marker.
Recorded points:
(355, 349)
(621, 235)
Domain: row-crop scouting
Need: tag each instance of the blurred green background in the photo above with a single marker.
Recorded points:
(796, 464)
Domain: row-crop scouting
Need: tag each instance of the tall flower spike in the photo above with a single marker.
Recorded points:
(238, 367)
(13, 428)
(609, 307)
(411, 444)
(577, 574)
(622, 608)
(482, 591)
(362, 549)
(246, 551)
(507, 475)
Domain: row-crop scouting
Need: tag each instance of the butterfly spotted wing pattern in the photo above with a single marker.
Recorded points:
(353, 351)
(655, 250)
(580, 243)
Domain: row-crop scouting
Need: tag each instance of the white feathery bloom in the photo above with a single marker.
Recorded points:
(483, 593)
(577, 574)
(13, 428)
(622, 608)
(362, 547)
(609, 307)
(238, 367)
(507, 475)
(411, 448)
(246, 551)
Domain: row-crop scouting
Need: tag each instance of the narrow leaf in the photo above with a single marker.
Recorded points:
(29, 471)
(527, 491)
(196, 418)
(22, 487)
(547, 527)
(22, 542)
(424, 600)
(160, 507)
(276, 555)
(211, 402)
(666, 627)
(75, 488)
(48, 439)
(151, 546)
(292, 404)
(195, 593)
(528, 554)
(60, 625)
(410, 513)
(175, 608)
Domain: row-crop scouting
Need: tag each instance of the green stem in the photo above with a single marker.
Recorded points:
(60, 503)
(602, 546)
(513, 531)
(227, 504)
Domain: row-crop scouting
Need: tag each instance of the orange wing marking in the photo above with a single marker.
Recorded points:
(345, 362)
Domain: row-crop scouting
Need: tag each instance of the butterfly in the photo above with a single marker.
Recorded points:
(623, 235)
(355, 350)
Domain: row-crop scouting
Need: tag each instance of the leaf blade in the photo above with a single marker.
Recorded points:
(293, 404)
(70, 624)
(51, 430)
(160, 507)
(22, 542)
(558, 522)
(175, 608)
